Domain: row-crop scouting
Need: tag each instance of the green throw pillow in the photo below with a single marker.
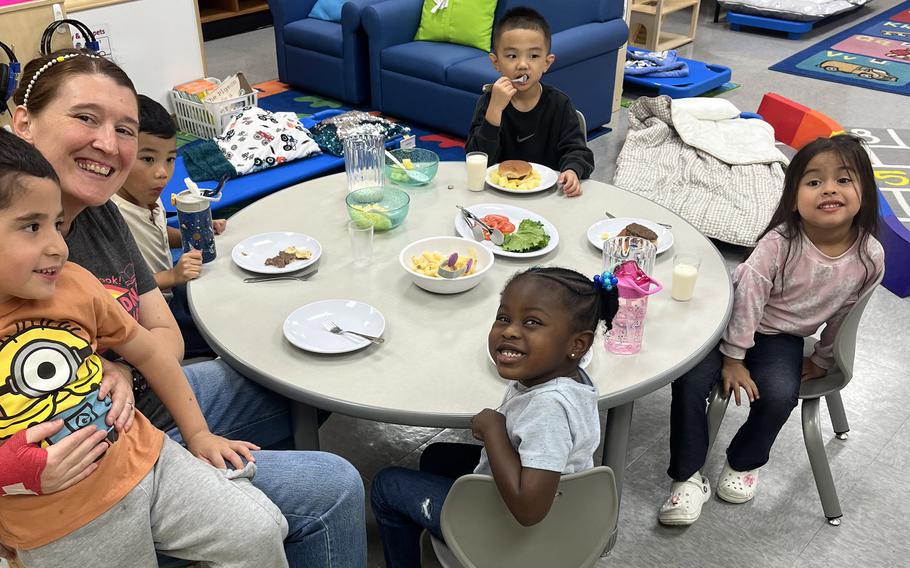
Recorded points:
(465, 22)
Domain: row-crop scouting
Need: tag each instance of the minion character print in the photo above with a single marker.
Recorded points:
(48, 371)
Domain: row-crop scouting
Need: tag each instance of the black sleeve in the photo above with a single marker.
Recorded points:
(573, 151)
(483, 137)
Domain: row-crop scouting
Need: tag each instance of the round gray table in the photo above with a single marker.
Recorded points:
(403, 380)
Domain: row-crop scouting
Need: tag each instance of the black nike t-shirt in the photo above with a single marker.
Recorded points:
(548, 134)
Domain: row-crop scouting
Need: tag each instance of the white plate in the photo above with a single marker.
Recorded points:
(251, 253)
(515, 215)
(583, 362)
(614, 226)
(547, 179)
(304, 327)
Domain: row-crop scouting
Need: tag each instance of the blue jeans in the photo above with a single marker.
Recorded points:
(775, 364)
(194, 345)
(405, 501)
(320, 494)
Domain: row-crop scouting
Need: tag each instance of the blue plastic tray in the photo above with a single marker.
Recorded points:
(793, 29)
(702, 78)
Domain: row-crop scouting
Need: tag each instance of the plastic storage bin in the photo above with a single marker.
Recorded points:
(208, 120)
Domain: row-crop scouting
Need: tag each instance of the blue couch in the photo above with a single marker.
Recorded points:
(327, 58)
(438, 84)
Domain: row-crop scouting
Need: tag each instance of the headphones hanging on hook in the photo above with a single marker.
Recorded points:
(91, 43)
(9, 74)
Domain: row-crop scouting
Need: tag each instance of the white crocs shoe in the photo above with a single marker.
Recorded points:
(683, 506)
(737, 486)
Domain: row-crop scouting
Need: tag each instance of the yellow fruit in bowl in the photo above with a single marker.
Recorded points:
(408, 165)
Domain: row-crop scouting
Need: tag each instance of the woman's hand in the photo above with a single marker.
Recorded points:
(70, 460)
(811, 370)
(736, 376)
(215, 450)
(117, 382)
(486, 421)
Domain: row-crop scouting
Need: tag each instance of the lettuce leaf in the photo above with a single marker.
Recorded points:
(529, 237)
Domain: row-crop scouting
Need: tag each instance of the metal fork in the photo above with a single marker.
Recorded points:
(333, 327)
(301, 277)
(612, 216)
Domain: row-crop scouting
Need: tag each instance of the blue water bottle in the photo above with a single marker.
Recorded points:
(194, 215)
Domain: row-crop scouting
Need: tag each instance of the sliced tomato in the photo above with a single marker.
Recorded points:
(500, 222)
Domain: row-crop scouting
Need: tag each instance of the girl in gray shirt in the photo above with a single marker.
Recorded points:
(546, 426)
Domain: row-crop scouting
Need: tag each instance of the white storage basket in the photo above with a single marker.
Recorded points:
(208, 120)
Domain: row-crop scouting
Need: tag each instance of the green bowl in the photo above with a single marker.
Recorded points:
(425, 164)
(383, 207)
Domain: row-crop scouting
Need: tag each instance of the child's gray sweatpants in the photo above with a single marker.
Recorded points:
(183, 508)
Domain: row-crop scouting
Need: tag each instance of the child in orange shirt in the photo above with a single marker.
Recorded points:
(140, 490)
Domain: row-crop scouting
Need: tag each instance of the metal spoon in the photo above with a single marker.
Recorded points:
(521, 81)
(496, 236)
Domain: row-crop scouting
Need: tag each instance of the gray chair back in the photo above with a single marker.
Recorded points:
(481, 532)
(844, 351)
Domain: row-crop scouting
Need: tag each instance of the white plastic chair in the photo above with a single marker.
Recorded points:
(810, 392)
(481, 532)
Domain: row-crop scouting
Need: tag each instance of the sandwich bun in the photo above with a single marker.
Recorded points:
(514, 169)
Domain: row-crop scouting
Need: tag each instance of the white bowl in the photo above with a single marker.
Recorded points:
(446, 246)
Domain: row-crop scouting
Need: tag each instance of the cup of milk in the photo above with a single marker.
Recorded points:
(685, 273)
(476, 164)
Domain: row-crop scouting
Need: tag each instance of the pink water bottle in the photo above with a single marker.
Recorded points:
(629, 324)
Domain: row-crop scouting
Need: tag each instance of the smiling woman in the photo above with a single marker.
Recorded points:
(81, 112)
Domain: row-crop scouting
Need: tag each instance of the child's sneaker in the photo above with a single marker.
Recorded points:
(737, 486)
(683, 506)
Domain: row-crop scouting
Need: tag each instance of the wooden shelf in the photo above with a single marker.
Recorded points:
(668, 7)
(214, 10)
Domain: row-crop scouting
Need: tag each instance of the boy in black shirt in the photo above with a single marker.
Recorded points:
(521, 119)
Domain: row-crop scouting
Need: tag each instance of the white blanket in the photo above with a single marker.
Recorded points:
(713, 125)
(731, 202)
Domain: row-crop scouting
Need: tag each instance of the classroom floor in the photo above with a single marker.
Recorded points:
(783, 525)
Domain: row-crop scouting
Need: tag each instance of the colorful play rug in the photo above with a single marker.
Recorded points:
(874, 54)
(890, 153)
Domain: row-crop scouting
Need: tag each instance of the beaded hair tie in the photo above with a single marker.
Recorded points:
(48, 65)
(607, 281)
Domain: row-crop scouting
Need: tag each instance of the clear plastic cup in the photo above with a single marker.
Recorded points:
(685, 273)
(361, 243)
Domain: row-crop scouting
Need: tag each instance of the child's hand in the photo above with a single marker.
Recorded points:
(736, 376)
(569, 182)
(70, 460)
(189, 267)
(219, 225)
(502, 93)
(486, 421)
(811, 370)
(215, 450)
